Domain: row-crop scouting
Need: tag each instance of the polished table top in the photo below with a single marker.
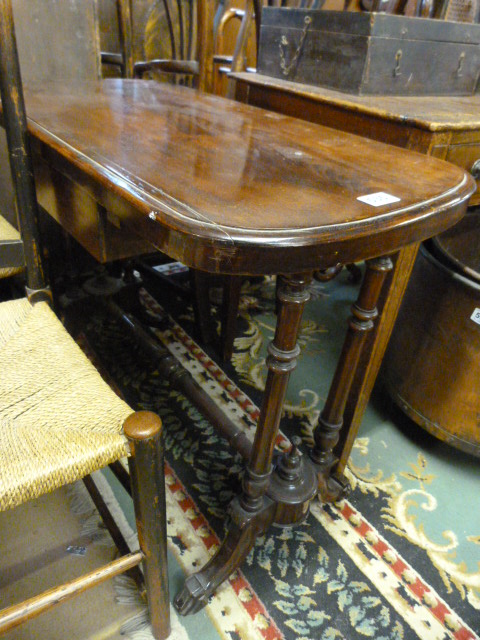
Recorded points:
(230, 188)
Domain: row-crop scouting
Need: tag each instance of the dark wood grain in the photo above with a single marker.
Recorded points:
(228, 188)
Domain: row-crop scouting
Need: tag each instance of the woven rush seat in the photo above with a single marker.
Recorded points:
(8, 232)
(59, 420)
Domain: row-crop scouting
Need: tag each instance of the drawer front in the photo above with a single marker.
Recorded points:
(101, 233)
(468, 157)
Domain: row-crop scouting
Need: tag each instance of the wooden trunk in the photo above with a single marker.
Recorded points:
(370, 53)
(432, 366)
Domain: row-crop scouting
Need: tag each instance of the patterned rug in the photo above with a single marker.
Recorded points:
(398, 560)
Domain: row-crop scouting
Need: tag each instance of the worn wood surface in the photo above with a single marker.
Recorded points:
(13, 616)
(227, 188)
(460, 113)
(56, 40)
(144, 431)
(73, 52)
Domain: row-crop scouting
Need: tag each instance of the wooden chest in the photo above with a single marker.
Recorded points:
(370, 53)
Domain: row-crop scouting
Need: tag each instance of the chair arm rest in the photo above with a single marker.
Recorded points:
(166, 66)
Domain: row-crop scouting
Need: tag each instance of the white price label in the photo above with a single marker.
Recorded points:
(476, 316)
(378, 199)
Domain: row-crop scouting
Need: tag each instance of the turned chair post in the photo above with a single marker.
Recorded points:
(21, 165)
(143, 430)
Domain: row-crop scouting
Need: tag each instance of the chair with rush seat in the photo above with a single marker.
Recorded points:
(59, 421)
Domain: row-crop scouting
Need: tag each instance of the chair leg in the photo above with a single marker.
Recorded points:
(144, 432)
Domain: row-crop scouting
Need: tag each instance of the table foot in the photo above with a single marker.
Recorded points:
(291, 483)
(333, 487)
(244, 529)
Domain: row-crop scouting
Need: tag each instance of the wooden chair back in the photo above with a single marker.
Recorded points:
(72, 53)
(21, 164)
(166, 39)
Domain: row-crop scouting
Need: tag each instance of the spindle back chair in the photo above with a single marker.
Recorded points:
(166, 39)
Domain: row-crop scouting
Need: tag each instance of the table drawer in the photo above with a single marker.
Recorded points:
(468, 157)
(99, 231)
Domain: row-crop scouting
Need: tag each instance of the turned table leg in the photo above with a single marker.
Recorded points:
(373, 352)
(254, 510)
(330, 423)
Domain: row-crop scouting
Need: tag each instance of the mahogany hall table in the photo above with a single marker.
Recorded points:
(228, 188)
(446, 127)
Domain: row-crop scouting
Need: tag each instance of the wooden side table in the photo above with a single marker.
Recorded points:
(444, 127)
(230, 189)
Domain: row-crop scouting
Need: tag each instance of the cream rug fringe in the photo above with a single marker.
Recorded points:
(126, 591)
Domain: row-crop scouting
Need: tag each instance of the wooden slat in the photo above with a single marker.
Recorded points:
(13, 616)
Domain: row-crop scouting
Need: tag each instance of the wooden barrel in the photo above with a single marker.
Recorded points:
(432, 365)
(459, 246)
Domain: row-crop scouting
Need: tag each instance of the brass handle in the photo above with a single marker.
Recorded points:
(475, 169)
